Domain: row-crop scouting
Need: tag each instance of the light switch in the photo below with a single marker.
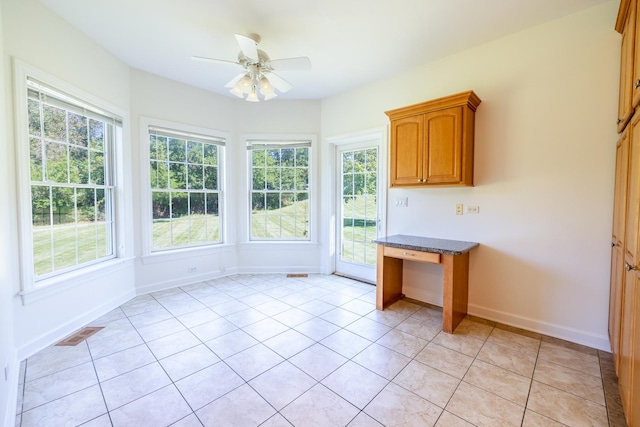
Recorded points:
(402, 202)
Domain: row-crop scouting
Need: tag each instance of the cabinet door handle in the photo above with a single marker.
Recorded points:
(637, 84)
(628, 266)
(619, 121)
(408, 254)
(613, 245)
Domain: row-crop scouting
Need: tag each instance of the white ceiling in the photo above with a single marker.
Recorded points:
(350, 42)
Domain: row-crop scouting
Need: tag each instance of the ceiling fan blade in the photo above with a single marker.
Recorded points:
(278, 82)
(205, 59)
(248, 46)
(235, 80)
(298, 63)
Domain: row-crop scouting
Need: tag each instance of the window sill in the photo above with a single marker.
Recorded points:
(46, 288)
(260, 245)
(178, 254)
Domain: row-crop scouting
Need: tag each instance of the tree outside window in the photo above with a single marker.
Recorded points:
(279, 190)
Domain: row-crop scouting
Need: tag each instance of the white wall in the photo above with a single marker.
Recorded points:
(544, 174)
(162, 99)
(7, 271)
(36, 36)
(544, 166)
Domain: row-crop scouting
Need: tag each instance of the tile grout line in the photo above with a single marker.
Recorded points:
(292, 328)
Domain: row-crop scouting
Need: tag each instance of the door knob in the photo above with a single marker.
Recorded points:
(628, 266)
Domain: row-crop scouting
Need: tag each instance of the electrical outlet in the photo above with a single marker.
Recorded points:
(192, 270)
(459, 209)
(475, 209)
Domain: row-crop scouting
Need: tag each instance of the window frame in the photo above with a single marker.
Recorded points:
(283, 140)
(33, 287)
(149, 254)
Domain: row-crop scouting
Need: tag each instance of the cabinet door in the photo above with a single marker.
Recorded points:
(407, 137)
(625, 109)
(635, 69)
(628, 333)
(633, 417)
(617, 242)
(620, 189)
(633, 194)
(615, 303)
(443, 157)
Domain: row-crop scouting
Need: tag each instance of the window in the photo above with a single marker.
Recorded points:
(279, 183)
(71, 180)
(185, 171)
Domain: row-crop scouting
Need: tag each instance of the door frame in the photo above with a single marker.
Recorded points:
(379, 135)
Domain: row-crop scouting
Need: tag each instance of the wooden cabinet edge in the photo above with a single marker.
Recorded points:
(625, 5)
(469, 99)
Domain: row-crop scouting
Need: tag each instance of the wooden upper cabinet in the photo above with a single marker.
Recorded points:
(443, 160)
(408, 136)
(626, 25)
(432, 143)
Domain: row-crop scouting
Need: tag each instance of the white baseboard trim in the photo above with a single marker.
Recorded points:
(600, 342)
(71, 326)
(12, 382)
(191, 279)
(185, 281)
(312, 269)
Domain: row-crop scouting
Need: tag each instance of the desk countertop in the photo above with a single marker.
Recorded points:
(427, 244)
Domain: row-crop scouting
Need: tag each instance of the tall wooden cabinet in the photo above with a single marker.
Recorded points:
(624, 304)
(432, 142)
(617, 243)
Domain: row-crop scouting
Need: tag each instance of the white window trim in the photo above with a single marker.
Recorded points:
(245, 237)
(148, 255)
(30, 289)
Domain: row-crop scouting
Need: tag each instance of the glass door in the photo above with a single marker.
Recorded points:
(358, 213)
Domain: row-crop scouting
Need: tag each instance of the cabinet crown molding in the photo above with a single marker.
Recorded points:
(468, 98)
(625, 5)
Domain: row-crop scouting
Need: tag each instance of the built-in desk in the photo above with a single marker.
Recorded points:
(452, 254)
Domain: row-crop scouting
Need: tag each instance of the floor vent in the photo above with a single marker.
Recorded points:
(297, 275)
(79, 336)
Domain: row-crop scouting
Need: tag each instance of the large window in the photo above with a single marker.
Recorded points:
(71, 150)
(185, 188)
(279, 183)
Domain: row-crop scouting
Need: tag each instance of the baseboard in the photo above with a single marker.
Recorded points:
(600, 342)
(312, 269)
(192, 279)
(423, 295)
(12, 393)
(185, 281)
(71, 326)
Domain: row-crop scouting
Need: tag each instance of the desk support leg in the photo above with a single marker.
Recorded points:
(388, 279)
(456, 290)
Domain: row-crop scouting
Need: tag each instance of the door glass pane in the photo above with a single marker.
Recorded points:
(359, 206)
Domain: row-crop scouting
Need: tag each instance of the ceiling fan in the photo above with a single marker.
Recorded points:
(258, 74)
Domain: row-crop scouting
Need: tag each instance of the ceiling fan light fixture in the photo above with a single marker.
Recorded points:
(237, 91)
(257, 65)
(266, 89)
(253, 96)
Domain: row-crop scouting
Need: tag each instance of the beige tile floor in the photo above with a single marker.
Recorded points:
(266, 350)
